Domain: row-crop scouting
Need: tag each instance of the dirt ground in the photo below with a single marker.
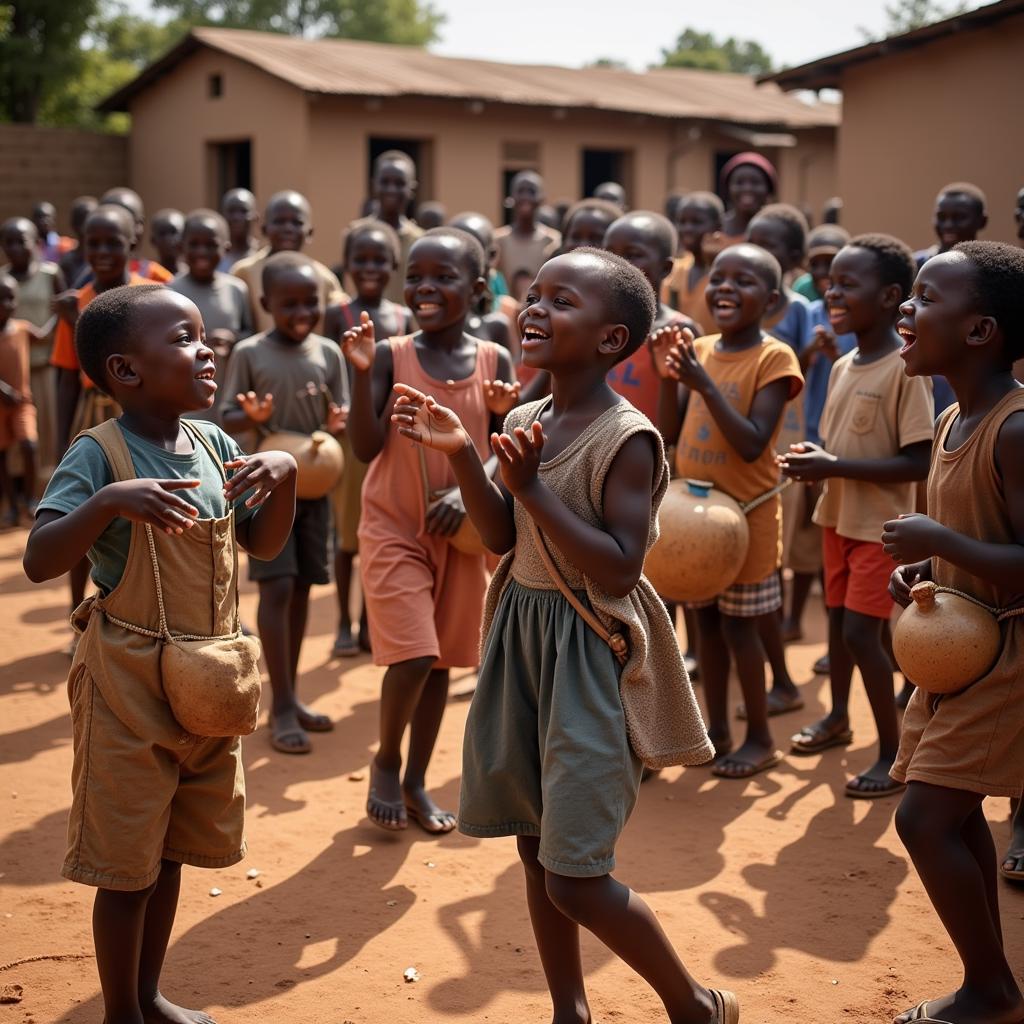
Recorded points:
(780, 888)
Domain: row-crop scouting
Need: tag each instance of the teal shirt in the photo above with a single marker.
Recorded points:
(84, 470)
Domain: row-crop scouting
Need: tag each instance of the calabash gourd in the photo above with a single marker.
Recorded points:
(318, 456)
(943, 642)
(702, 543)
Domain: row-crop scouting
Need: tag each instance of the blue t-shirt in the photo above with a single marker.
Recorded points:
(818, 373)
(795, 326)
(84, 470)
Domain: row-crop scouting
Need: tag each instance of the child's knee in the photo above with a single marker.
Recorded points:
(528, 847)
(571, 896)
(862, 634)
(278, 591)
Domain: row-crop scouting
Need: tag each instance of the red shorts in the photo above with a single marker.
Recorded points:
(857, 575)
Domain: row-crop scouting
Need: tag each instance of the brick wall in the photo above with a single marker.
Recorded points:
(57, 164)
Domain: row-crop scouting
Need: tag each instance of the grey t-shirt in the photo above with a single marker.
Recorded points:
(223, 302)
(84, 470)
(302, 378)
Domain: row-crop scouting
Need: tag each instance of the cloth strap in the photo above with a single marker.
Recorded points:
(1001, 614)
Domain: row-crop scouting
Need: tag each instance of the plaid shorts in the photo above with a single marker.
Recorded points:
(747, 600)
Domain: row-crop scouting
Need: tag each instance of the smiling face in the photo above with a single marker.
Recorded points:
(958, 218)
(293, 301)
(820, 267)
(203, 246)
(586, 228)
(693, 222)
(856, 296)
(393, 187)
(526, 195)
(630, 240)
(167, 227)
(370, 264)
(18, 239)
(565, 322)
(288, 224)
(739, 289)
(439, 287)
(748, 189)
(239, 210)
(108, 244)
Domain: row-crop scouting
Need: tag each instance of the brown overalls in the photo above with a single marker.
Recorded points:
(143, 788)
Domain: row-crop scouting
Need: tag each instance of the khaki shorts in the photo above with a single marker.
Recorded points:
(135, 803)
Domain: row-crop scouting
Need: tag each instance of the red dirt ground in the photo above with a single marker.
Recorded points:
(801, 900)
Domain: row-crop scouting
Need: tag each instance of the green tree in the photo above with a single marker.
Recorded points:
(409, 22)
(612, 63)
(702, 50)
(906, 15)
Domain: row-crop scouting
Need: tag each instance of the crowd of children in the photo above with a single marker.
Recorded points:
(524, 391)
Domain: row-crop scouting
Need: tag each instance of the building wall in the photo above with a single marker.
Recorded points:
(913, 122)
(56, 164)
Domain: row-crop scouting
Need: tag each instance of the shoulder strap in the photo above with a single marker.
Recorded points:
(199, 436)
(111, 440)
(616, 641)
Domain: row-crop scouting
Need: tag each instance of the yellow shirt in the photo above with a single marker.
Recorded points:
(703, 453)
(871, 412)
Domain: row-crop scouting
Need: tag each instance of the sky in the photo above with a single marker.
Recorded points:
(635, 31)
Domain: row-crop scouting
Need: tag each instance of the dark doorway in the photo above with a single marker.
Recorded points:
(230, 166)
(601, 165)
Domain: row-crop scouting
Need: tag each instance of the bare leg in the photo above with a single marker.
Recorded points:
(837, 721)
(1014, 860)
(936, 826)
(274, 621)
(423, 730)
(118, 920)
(28, 458)
(298, 613)
(344, 644)
(7, 491)
(792, 625)
(714, 666)
(690, 619)
(783, 694)
(558, 941)
(626, 925)
(156, 934)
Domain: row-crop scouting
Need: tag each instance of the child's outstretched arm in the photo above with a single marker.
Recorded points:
(809, 462)
(916, 538)
(612, 557)
(273, 475)
(748, 435)
(371, 388)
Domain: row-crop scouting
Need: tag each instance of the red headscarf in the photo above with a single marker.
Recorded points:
(763, 164)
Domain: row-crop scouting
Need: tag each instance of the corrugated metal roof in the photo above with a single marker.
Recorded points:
(343, 67)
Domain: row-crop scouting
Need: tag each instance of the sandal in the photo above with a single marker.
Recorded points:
(312, 721)
(879, 792)
(1011, 874)
(444, 820)
(345, 647)
(747, 770)
(823, 666)
(813, 739)
(777, 705)
(727, 1006)
(277, 741)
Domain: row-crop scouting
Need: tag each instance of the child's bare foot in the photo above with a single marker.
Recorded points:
(1013, 863)
(746, 762)
(163, 1011)
(969, 1007)
(874, 783)
(422, 809)
(384, 804)
(311, 720)
(286, 734)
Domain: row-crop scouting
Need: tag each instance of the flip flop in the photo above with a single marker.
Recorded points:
(1011, 876)
(749, 770)
(776, 706)
(401, 821)
(727, 1006)
(277, 741)
(823, 666)
(810, 740)
(920, 1013)
(423, 819)
(345, 648)
(315, 722)
(891, 788)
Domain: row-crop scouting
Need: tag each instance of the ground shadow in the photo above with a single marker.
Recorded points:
(24, 744)
(32, 855)
(43, 672)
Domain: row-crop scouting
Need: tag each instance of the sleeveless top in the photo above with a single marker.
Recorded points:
(965, 493)
(662, 716)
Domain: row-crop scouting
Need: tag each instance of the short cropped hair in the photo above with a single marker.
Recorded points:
(127, 198)
(395, 156)
(119, 213)
(377, 227)
(707, 200)
(761, 261)
(473, 251)
(108, 325)
(591, 204)
(968, 191)
(659, 228)
(283, 263)
(827, 236)
(894, 259)
(792, 220)
(205, 218)
(998, 287)
(630, 297)
(291, 197)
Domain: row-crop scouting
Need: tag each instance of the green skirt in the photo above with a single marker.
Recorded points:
(546, 752)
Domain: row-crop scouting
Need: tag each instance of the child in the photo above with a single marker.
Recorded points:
(39, 283)
(288, 225)
(423, 596)
(481, 227)
(52, 244)
(165, 235)
(394, 185)
(586, 223)
(822, 245)
(726, 419)
(547, 757)
(960, 216)
(289, 378)
(132, 202)
(370, 258)
(146, 797)
(223, 299)
(965, 320)
(876, 433)
(430, 215)
(525, 244)
(238, 208)
(747, 181)
(699, 225)
(72, 264)
(17, 411)
(612, 192)
(484, 321)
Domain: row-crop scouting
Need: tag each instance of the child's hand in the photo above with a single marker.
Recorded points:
(359, 342)
(684, 366)
(501, 398)
(445, 516)
(259, 410)
(661, 343)
(155, 502)
(904, 577)
(824, 341)
(807, 462)
(264, 471)
(519, 456)
(418, 417)
(337, 418)
(912, 538)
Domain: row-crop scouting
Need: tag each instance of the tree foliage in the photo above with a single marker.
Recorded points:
(702, 50)
(906, 15)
